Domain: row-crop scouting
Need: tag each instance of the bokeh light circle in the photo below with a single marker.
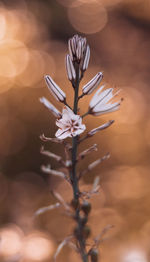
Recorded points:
(13, 134)
(14, 57)
(37, 247)
(88, 17)
(11, 240)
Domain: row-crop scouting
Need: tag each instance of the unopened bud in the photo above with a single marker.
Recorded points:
(70, 68)
(55, 89)
(79, 50)
(86, 58)
(92, 84)
(86, 207)
(50, 107)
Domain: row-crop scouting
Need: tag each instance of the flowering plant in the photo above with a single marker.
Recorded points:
(70, 125)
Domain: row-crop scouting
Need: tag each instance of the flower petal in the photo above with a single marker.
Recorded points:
(62, 134)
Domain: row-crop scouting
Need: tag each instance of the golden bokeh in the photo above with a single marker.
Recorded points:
(33, 43)
(88, 17)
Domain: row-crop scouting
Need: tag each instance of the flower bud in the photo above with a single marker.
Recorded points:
(86, 58)
(51, 107)
(92, 84)
(55, 89)
(70, 68)
(86, 207)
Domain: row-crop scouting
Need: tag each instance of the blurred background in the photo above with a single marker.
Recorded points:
(33, 42)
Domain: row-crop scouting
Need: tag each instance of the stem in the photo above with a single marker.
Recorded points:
(87, 113)
(73, 175)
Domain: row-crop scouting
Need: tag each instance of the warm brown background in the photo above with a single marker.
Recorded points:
(33, 42)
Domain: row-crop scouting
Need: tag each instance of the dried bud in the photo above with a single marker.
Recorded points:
(75, 203)
(50, 154)
(86, 207)
(94, 255)
(48, 170)
(86, 58)
(87, 151)
(97, 129)
(55, 89)
(50, 106)
(70, 68)
(92, 84)
(98, 161)
(86, 232)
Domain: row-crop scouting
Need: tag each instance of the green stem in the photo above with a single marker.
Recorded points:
(73, 175)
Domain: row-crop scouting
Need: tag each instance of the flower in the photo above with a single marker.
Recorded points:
(100, 104)
(70, 125)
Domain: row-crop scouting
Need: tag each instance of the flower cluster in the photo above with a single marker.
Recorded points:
(70, 125)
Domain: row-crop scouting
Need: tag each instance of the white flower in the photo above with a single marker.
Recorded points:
(70, 125)
(100, 102)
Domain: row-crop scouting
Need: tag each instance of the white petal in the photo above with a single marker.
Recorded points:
(108, 108)
(61, 134)
(79, 131)
(60, 123)
(95, 98)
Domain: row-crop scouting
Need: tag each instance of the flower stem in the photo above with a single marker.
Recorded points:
(73, 175)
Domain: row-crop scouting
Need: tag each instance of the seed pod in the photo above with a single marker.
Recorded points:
(75, 203)
(86, 207)
(83, 220)
(77, 232)
(94, 255)
(86, 232)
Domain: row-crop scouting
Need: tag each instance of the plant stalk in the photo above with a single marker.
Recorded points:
(73, 175)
